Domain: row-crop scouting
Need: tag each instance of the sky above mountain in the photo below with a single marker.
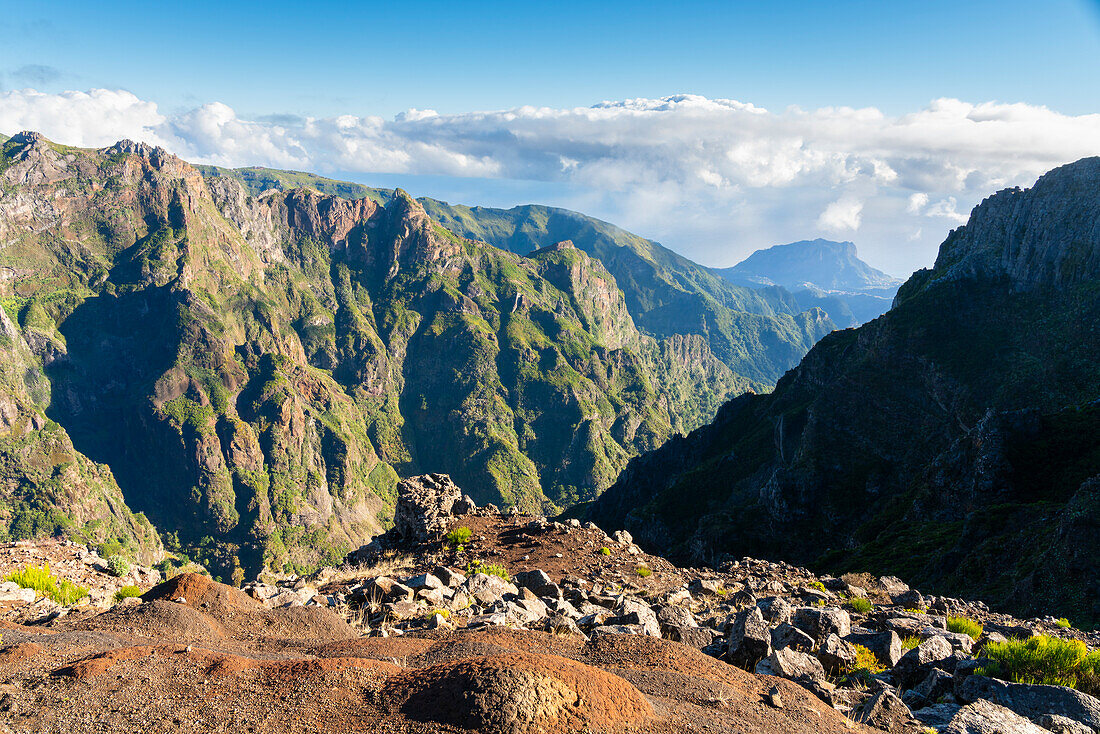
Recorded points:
(716, 128)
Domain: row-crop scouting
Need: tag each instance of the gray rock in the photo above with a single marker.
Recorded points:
(673, 616)
(931, 650)
(936, 685)
(423, 505)
(634, 612)
(697, 637)
(885, 645)
(787, 635)
(776, 609)
(985, 717)
(1032, 701)
(1062, 725)
(449, 577)
(533, 580)
(464, 505)
(819, 623)
(425, 581)
(884, 710)
(750, 640)
(705, 587)
(836, 654)
(938, 715)
(793, 665)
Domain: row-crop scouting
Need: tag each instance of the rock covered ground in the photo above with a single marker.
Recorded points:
(587, 633)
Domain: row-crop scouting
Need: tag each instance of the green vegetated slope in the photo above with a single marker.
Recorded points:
(257, 371)
(952, 442)
(758, 334)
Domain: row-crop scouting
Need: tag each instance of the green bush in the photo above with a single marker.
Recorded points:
(643, 571)
(1045, 660)
(866, 665)
(41, 580)
(1063, 623)
(964, 625)
(908, 643)
(605, 551)
(118, 566)
(127, 592)
(860, 605)
(459, 536)
(492, 569)
(817, 585)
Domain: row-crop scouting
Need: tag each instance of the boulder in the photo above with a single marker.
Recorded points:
(885, 645)
(634, 612)
(819, 623)
(787, 635)
(936, 685)
(1032, 701)
(776, 609)
(884, 710)
(750, 640)
(697, 637)
(423, 505)
(926, 653)
(984, 717)
(673, 616)
(793, 665)
(836, 654)
(425, 581)
(1062, 725)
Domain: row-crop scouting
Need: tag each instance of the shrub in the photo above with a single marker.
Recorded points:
(643, 571)
(1045, 660)
(118, 566)
(865, 666)
(605, 551)
(908, 643)
(459, 536)
(127, 592)
(965, 625)
(817, 585)
(1063, 623)
(492, 569)
(860, 605)
(41, 580)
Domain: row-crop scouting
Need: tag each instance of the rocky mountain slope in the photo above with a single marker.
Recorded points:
(820, 273)
(757, 334)
(256, 372)
(465, 619)
(951, 442)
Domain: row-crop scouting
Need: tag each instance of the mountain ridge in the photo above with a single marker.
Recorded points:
(917, 431)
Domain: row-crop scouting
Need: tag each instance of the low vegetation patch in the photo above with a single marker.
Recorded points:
(910, 642)
(491, 569)
(127, 592)
(1063, 623)
(860, 605)
(1045, 660)
(643, 571)
(964, 625)
(118, 566)
(41, 580)
(817, 585)
(605, 551)
(866, 665)
(459, 537)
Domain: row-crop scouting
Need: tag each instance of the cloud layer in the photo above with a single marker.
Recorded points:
(712, 178)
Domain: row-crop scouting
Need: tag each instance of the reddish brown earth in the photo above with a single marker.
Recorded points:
(198, 656)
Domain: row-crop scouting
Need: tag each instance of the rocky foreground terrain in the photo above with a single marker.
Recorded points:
(470, 619)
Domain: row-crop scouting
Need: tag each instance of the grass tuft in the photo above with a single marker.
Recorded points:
(1063, 623)
(860, 605)
(866, 665)
(910, 642)
(964, 625)
(643, 571)
(1045, 660)
(127, 592)
(41, 580)
(459, 537)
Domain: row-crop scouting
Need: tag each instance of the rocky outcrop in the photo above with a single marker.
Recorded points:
(424, 504)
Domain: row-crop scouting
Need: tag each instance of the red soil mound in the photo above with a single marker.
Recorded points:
(199, 592)
(376, 648)
(159, 619)
(17, 653)
(516, 693)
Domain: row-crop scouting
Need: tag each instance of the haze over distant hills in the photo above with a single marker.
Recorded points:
(820, 273)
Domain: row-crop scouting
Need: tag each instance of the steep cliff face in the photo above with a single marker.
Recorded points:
(935, 442)
(257, 370)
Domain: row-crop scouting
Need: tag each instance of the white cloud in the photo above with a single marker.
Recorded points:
(841, 216)
(714, 178)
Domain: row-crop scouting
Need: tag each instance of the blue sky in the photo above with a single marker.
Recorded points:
(275, 64)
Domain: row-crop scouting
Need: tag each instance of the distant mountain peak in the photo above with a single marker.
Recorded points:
(820, 263)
